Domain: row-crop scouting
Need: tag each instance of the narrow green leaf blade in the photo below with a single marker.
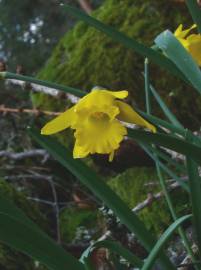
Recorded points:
(165, 108)
(168, 141)
(195, 188)
(120, 250)
(161, 242)
(174, 50)
(29, 240)
(141, 49)
(195, 11)
(160, 122)
(98, 187)
(148, 149)
(67, 89)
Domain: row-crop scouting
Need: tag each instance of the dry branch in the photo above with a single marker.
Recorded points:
(42, 89)
(153, 197)
(6, 110)
(26, 154)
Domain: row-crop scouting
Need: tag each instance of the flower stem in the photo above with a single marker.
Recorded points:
(147, 86)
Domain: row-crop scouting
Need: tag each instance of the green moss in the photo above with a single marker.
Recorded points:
(85, 57)
(72, 218)
(130, 186)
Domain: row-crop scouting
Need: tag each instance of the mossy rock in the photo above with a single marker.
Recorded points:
(85, 57)
(130, 186)
(10, 259)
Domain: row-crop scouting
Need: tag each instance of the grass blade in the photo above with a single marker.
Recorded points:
(169, 161)
(162, 241)
(147, 86)
(121, 251)
(195, 12)
(175, 51)
(67, 89)
(167, 141)
(195, 188)
(28, 239)
(148, 150)
(114, 247)
(173, 213)
(141, 49)
(162, 123)
(98, 187)
(165, 109)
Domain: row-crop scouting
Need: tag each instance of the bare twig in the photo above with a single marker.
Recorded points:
(56, 210)
(28, 177)
(25, 154)
(54, 204)
(50, 202)
(153, 197)
(169, 181)
(146, 203)
(42, 89)
(4, 109)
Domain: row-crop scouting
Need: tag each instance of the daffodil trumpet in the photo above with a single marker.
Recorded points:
(97, 119)
(191, 42)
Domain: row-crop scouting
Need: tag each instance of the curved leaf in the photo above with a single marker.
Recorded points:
(101, 189)
(67, 89)
(165, 108)
(141, 49)
(167, 141)
(161, 242)
(195, 11)
(29, 240)
(175, 51)
(120, 250)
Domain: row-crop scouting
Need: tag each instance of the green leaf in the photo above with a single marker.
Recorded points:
(175, 51)
(130, 43)
(162, 241)
(102, 190)
(168, 141)
(88, 265)
(17, 231)
(165, 108)
(147, 86)
(195, 188)
(120, 250)
(169, 161)
(160, 122)
(149, 149)
(195, 11)
(67, 89)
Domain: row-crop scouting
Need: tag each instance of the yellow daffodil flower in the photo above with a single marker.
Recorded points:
(97, 121)
(191, 42)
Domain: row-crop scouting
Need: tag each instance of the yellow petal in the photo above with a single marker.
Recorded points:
(127, 114)
(99, 99)
(118, 94)
(94, 138)
(111, 156)
(79, 151)
(180, 33)
(59, 123)
(194, 47)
